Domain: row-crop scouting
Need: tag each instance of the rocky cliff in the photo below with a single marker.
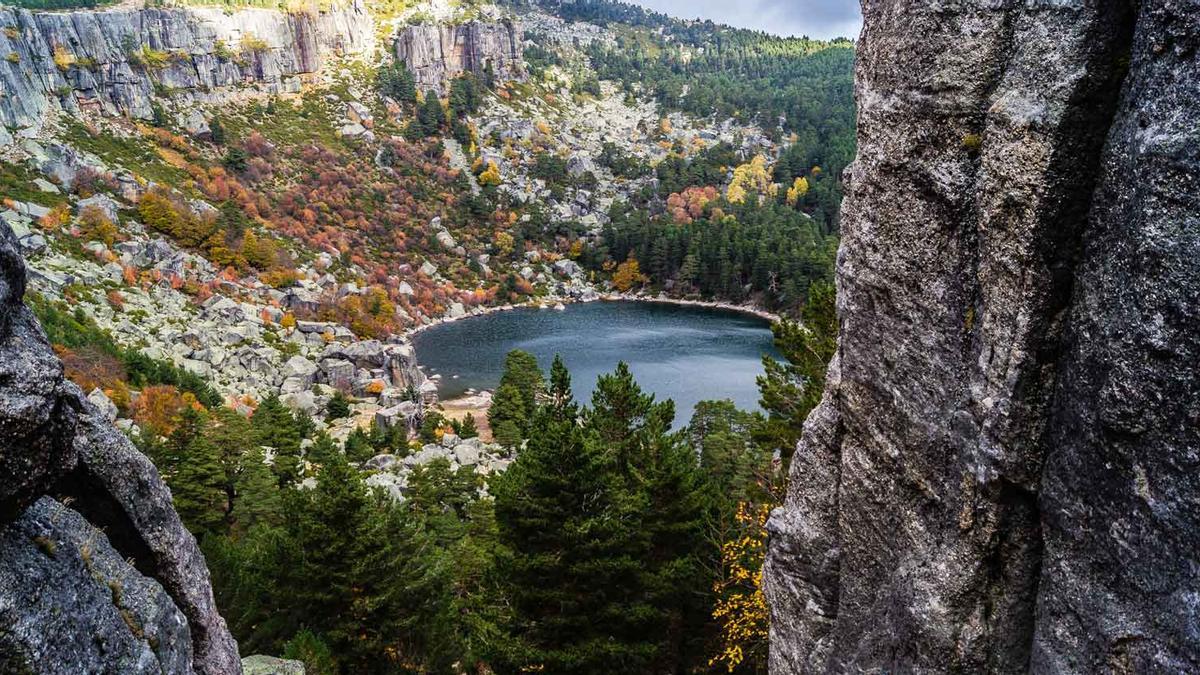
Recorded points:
(97, 573)
(1002, 474)
(116, 60)
(435, 53)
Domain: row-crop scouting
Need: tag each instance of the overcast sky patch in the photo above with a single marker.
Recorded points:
(814, 18)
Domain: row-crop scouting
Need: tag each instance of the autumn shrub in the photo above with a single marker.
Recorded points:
(91, 367)
(94, 225)
(157, 408)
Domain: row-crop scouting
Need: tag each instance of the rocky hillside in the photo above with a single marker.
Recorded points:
(1001, 475)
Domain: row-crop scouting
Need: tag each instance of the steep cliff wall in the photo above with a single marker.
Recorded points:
(1002, 472)
(115, 60)
(106, 579)
(435, 53)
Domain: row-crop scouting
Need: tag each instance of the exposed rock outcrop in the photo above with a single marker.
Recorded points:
(72, 604)
(1002, 473)
(436, 53)
(115, 60)
(53, 441)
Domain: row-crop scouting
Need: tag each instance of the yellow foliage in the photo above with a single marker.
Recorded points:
(750, 179)
(63, 58)
(253, 44)
(491, 176)
(504, 241)
(94, 225)
(797, 191)
(628, 275)
(288, 321)
(741, 608)
(57, 217)
(543, 127)
(664, 125)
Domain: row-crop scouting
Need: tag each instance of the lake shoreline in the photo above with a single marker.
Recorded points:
(552, 304)
(683, 348)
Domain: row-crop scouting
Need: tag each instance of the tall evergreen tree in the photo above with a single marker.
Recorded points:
(572, 577)
(259, 499)
(430, 116)
(198, 482)
(662, 470)
(274, 426)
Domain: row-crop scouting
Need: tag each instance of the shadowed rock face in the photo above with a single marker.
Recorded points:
(1002, 472)
(54, 442)
(78, 605)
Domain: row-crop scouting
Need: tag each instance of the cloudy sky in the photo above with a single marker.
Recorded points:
(815, 18)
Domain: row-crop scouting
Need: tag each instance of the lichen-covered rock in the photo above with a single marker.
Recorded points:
(118, 488)
(269, 665)
(70, 603)
(36, 424)
(436, 53)
(1001, 474)
(1120, 491)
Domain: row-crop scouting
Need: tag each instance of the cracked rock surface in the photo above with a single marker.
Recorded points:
(1002, 476)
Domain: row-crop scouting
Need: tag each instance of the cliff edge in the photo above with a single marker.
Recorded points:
(1002, 473)
(97, 573)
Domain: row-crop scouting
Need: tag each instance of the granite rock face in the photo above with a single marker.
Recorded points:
(1002, 473)
(77, 606)
(436, 53)
(114, 60)
(53, 441)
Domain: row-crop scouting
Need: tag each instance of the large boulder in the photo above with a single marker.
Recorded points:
(1001, 476)
(269, 665)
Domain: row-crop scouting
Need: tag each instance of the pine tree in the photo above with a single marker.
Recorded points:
(273, 426)
(561, 398)
(791, 389)
(521, 370)
(431, 117)
(358, 446)
(324, 528)
(623, 418)
(216, 131)
(323, 449)
(259, 500)
(572, 576)
(338, 406)
(197, 486)
(468, 428)
(508, 415)
(230, 433)
(657, 466)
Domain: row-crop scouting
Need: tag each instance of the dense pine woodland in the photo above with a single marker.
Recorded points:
(759, 244)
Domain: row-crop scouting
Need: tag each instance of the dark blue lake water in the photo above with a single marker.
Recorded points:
(688, 354)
